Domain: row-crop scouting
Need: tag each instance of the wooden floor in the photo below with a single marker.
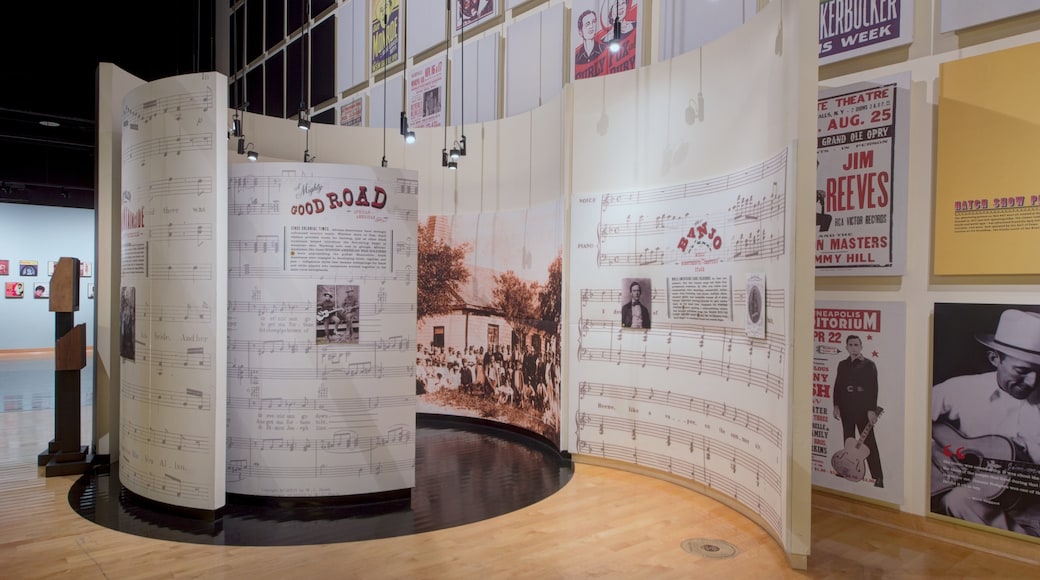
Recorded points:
(604, 524)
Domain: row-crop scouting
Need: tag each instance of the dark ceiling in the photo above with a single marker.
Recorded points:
(51, 53)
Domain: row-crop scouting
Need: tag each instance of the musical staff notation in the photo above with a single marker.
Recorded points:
(153, 437)
(191, 399)
(238, 470)
(176, 313)
(339, 442)
(718, 480)
(175, 186)
(197, 232)
(164, 146)
(167, 485)
(344, 407)
(176, 105)
(161, 271)
(702, 406)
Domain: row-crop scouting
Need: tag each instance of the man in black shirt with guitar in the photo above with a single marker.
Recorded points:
(855, 402)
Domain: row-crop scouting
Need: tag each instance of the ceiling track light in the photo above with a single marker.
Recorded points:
(241, 146)
(615, 41)
(462, 146)
(304, 123)
(444, 157)
(236, 126)
(251, 154)
(454, 153)
(453, 165)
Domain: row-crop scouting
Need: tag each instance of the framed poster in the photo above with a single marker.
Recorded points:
(5, 268)
(987, 206)
(985, 413)
(351, 113)
(469, 13)
(14, 289)
(960, 14)
(28, 268)
(40, 290)
(593, 31)
(862, 165)
(426, 86)
(386, 34)
(851, 29)
(858, 394)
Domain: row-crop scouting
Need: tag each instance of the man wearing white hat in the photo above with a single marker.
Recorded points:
(987, 427)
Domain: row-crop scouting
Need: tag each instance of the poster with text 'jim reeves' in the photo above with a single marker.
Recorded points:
(861, 178)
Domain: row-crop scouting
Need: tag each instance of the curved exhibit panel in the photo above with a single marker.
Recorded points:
(173, 292)
(321, 307)
(680, 281)
(489, 317)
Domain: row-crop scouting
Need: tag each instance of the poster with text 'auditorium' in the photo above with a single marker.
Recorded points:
(321, 329)
(858, 394)
(851, 28)
(987, 204)
(861, 178)
(595, 24)
(663, 372)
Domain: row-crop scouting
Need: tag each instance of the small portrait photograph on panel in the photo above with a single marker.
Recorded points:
(127, 322)
(40, 291)
(337, 315)
(635, 302)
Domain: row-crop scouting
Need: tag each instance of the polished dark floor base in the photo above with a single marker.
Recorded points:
(464, 473)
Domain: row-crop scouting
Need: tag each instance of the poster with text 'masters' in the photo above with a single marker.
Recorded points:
(858, 394)
(861, 178)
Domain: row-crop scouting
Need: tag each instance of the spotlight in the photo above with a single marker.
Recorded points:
(251, 154)
(304, 123)
(444, 157)
(383, 163)
(615, 42)
(404, 124)
(455, 152)
(241, 145)
(409, 137)
(462, 146)
(453, 165)
(236, 127)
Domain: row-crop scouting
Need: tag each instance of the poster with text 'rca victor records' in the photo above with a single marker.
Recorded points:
(987, 184)
(861, 178)
(858, 394)
(851, 28)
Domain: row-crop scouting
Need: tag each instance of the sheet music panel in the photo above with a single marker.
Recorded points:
(686, 390)
(321, 319)
(173, 340)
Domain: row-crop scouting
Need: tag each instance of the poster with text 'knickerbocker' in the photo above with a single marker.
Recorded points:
(987, 204)
(858, 394)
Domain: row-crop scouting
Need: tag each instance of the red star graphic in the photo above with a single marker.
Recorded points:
(874, 354)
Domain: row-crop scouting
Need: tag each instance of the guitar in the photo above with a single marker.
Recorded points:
(991, 465)
(323, 314)
(849, 462)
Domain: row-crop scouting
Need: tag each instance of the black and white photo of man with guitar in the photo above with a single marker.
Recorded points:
(337, 313)
(856, 406)
(986, 426)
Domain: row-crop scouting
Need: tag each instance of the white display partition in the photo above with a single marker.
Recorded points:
(686, 178)
(321, 319)
(688, 392)
(173, 291)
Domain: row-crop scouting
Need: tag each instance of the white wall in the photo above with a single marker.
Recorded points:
(44, 234)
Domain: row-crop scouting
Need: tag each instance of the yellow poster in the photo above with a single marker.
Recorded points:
(987, 188)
